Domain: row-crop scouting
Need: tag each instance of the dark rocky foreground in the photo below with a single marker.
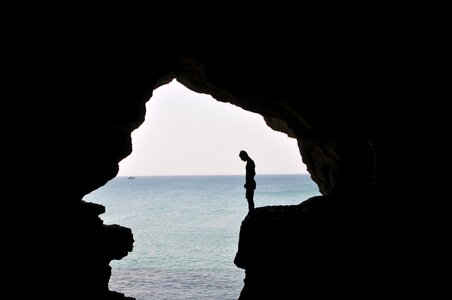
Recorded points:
(322, 247)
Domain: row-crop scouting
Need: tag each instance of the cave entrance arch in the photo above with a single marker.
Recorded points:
(178, 231)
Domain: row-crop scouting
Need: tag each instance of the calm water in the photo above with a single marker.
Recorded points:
(186, 231)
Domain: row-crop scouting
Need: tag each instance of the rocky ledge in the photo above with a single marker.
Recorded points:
(323, 246)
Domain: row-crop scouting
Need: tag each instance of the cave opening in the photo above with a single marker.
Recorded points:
(181, 192)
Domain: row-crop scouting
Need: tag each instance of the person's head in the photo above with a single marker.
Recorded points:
(243, 155)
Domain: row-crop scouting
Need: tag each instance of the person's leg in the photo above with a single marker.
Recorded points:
(249, 198)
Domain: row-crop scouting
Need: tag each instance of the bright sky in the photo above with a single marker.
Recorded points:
(186, 133)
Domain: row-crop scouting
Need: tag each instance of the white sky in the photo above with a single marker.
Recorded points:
(186, 133)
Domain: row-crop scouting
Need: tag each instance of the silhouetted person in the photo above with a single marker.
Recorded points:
(250, 183)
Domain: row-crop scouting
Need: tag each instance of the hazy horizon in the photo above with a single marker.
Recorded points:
(191, 134)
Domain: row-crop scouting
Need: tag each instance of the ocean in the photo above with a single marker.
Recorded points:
(186, 231)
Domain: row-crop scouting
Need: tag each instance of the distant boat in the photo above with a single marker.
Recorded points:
(131, 177)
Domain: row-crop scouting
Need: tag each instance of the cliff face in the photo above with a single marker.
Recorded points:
(329, 100)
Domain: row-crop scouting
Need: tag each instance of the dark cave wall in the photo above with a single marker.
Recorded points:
(320, 104)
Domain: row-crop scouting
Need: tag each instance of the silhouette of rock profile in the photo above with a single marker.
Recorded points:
(250, 183)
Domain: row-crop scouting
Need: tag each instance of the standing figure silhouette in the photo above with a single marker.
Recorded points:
(250, 183)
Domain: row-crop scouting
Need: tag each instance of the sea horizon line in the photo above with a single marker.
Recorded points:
(199, 175)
